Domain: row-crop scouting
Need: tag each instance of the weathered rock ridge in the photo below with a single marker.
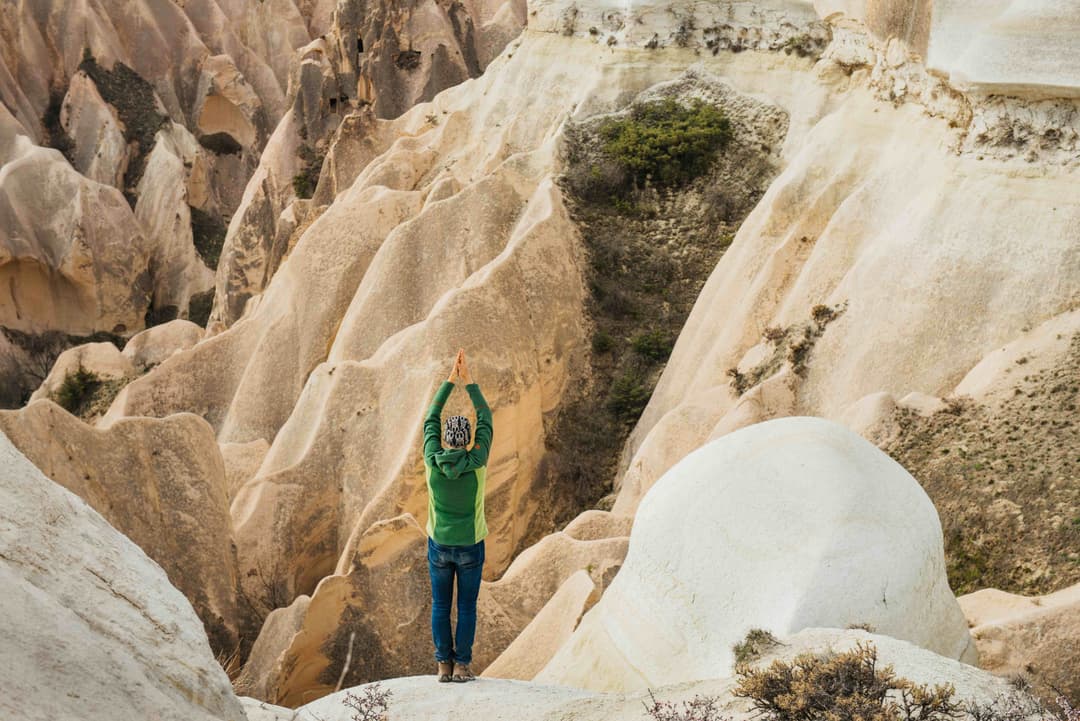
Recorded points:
(92, 628)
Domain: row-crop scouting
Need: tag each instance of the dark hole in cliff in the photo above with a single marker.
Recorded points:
(408, 59)
(333, 105)
(221, 144)
(359, 45)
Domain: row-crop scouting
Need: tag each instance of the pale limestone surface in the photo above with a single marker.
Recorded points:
(100, 151)
(153, 345)
(91, 627)
(242, 461)
(1027, 636)
(551, 627)
(72, 256)
(995, 378)
(785, 525)
(335, 92)
(963, 246)
(421, 698)
(1014, 47)
(103, 359)
(163, 210)
(161, 482)
(593, 525)
(339, 378)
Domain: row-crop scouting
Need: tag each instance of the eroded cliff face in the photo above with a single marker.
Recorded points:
(907, 220)
(377, 60)
(173, 105)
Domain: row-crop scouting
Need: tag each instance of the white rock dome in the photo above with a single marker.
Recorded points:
(784, 525)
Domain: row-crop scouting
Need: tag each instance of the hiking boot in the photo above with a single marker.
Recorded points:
(463, 673)
(446, 671)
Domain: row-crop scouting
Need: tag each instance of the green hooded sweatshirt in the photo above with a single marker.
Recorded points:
(456, 476)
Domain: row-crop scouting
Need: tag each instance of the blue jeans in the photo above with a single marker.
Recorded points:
(444, 563)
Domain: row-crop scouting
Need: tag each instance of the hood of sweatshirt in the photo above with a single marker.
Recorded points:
(452, 462)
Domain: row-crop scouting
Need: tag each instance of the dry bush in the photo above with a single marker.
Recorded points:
(753, 646)
(699, 708)
(370, 703)
(847, 686)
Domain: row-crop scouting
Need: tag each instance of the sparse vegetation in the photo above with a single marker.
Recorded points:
(998, 478)
(370, 703)
(629, 395)
(665, 141)
(699, 708)
(792, 345)
(1023, 706)
(76, 389)
(305, 182)
(135, 103)
(602, 342)
(648, 258)
(41, 351)
(653, 345)
(87, 395)
(756, 642)
(846, 686)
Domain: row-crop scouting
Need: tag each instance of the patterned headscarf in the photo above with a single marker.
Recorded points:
(458, 432)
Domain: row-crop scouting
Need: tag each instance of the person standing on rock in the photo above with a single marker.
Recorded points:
(456, 526)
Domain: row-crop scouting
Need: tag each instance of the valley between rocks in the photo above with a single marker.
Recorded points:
(840, 354)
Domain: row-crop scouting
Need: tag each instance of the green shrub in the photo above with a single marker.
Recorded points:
(665, 141)
(756, 642)
(654, 345)
(629, 396)
(602, 342)
(76, 390)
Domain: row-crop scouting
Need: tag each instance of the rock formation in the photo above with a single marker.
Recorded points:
(377, 60)
(769, 528)
(421, 698)
(92, 628)
(1032, 638)
(810, 242)
(160, 482)
(921, 223)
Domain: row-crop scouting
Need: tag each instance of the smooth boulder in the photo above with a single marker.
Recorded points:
(90, 627)
(784, 525)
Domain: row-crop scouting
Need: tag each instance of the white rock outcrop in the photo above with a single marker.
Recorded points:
(1013, 47)
(155, 344)
(785, 525)
(160, 482)
(90, 627)
(420, 698)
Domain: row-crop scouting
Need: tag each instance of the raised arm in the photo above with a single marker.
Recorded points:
(433, 419)
(484, 429)
(478, 456)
